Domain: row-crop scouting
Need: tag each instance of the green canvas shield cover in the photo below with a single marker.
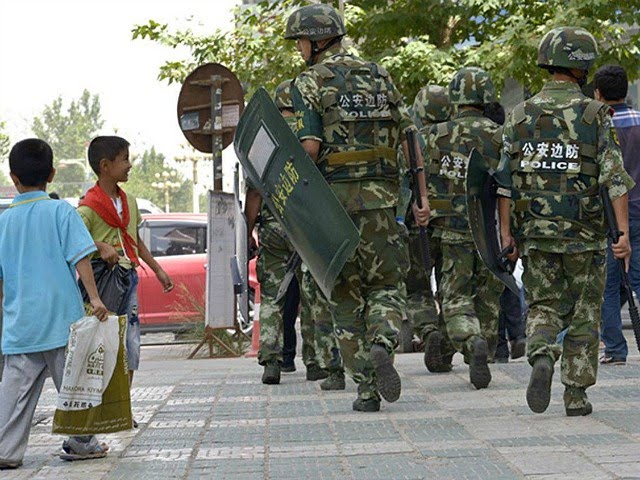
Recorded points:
(482, 211)
(295, 191)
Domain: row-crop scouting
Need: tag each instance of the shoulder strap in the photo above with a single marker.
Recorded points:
(519, 115)
(497, 137)
(442, 130)
(381, 70)
(324, 71)
(591, 111)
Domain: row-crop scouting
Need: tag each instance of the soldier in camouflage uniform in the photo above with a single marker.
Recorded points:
(469, 292)
(274, 252)
(351, 119)
(558, 149)
(430, 107)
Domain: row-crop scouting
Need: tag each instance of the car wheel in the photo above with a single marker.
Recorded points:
(246, 324)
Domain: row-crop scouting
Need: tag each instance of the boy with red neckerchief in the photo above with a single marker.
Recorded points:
(112, 218)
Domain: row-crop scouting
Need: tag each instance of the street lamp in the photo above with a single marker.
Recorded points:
(194, 159)
(166, 181)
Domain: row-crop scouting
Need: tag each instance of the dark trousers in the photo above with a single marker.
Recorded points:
(511, 325)
(290, 314)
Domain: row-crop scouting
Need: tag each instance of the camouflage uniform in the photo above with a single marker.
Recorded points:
(469, 292)
(327, 349)
(353, 109)
(431, 106)
(274, 252)
(557, 150)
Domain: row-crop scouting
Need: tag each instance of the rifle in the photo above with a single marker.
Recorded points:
(293, 263)
(419, 190)
(615, 234)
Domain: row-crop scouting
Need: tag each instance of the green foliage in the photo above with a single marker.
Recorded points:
(143, 175)
(4, 142)
(255, 50)
(418, 41)
(5, 145)
(69, 132)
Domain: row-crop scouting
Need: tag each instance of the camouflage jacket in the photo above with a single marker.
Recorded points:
(353, 108)
(557, 150)
(446, 156)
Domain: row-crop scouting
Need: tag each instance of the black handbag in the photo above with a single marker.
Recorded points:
(115, 285)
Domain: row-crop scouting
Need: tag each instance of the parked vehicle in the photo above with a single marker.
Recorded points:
(144, 205)
(178, 242)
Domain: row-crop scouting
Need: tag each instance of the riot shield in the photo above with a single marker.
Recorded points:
(295, 191)
(483, 219)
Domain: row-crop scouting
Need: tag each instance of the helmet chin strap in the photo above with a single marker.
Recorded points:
(582, 81)
(315, 50)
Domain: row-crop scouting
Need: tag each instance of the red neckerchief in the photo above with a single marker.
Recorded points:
(101, 203)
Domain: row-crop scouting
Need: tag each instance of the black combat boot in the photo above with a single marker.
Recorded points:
(366, 405)
(335, 381)
(433, 352)
(479, 373)
(271, 375)
(314, 372)
(387, 377)
(539, 389)
(518, 348)
(576, 403)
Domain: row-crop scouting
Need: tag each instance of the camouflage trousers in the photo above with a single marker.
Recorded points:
(565, 291)
(421, 304)
(367, 301)
(470, 299)
(319, 311)
(271, 267)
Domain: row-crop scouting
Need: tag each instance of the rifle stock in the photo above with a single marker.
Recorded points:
(419, 190)
(615, 234)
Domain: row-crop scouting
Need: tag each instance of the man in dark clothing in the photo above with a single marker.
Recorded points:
(611, 86)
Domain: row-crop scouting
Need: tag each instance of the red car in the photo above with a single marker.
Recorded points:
(178, 242)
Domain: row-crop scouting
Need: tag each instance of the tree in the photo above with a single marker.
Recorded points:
(69, 131)
(255, 50)
(5, 145)
(418, 41)
(143, 175)
(4, 142)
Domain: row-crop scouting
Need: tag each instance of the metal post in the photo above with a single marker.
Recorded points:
(196, 200)
(216, 138)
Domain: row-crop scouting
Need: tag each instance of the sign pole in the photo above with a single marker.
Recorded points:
(216, 122)
(209, 107)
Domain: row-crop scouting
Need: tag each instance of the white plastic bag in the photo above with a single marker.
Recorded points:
(94, 396)
(91, 359)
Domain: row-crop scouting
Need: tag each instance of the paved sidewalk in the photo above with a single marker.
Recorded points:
(214, 419)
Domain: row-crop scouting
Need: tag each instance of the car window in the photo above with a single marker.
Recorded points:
(177, 240)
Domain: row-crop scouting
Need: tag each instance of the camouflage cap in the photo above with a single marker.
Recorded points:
(315, 22)
(471, 86)
(569, 47)
(431, 105)
(282, 96)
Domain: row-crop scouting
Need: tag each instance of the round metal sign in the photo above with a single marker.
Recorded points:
(196, 106)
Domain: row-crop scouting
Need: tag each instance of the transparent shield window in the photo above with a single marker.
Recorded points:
(177, 240)
(261, 150)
